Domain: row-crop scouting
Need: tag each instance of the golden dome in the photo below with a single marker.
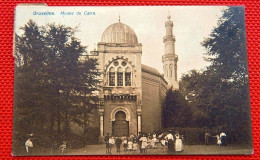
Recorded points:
(119, 33)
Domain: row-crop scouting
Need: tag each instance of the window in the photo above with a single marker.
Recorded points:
(111, 76)
(119, 73)
(123, 63)
(128, 77)
(116, 63)
(119, 76)
(166, 70)
(171, 68)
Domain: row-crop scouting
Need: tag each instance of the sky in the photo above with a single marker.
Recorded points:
(192, 24)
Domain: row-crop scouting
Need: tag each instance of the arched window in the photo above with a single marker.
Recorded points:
(166, 70)
(112, 76)
(171, 70)
(119, 76)
(127, 76)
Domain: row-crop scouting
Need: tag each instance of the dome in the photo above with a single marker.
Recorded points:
(119, 33)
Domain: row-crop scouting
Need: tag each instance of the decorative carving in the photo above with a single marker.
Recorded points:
(121, 97)
(115, 110)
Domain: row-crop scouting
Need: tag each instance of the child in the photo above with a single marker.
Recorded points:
(143, 139)
(163, 144)
(135, 145)
(28, 144)
(130, 145)
(125, 143)
(63, 147)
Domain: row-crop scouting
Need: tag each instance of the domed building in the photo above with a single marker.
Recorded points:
(132, 94)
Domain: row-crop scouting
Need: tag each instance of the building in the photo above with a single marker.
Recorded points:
(132, 94)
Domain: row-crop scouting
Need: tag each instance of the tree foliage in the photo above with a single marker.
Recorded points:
(176, 112)
(54, 87)
(220, 94)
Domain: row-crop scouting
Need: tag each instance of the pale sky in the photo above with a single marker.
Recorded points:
(191, 25)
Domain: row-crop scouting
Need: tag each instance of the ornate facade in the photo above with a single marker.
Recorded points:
(132, 94)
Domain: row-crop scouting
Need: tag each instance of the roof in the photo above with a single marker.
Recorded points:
(152, 71)
(119, 33)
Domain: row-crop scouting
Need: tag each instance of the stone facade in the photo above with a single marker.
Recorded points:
(131, 94)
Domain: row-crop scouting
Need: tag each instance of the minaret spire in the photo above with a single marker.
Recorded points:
(169, 15)
(169, 58)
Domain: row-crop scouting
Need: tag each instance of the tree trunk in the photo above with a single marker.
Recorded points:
(85, 127)
(58, 119)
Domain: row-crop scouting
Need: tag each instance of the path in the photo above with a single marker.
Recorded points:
(189, 149)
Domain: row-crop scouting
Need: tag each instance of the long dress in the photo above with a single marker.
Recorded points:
(130, 145)
(144, 142)
(135, 146)
(178, 145)
(218, 140)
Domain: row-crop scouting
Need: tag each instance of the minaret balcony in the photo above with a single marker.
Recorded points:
(168, 38)
(167, 57)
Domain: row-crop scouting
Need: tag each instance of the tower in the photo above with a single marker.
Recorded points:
(169, 58)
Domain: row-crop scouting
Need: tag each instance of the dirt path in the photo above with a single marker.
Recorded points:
(188, 149)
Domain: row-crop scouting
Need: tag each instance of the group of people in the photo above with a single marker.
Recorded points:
(29, 147)
(220, 138)
(145, 141)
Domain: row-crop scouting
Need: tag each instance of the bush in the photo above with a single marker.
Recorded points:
(92, 135)
(192, 136)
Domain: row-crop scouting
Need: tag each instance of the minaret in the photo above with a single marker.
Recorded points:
(170, 59)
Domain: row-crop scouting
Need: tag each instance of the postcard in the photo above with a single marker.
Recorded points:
(131, 80)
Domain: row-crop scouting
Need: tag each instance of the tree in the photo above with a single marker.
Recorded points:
(226, 50)
(200, 89)
(176, 112)
(221, 92)
(53, 85)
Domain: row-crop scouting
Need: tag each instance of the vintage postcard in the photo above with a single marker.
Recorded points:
(131, 80)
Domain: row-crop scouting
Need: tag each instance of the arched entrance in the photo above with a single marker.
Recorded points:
(120, 125)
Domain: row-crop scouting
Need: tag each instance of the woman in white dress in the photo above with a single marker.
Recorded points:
(130, 145)
(178, 143)
(143, 139)
(218, 140)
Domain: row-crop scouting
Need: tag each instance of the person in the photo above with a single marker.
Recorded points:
(182, 139)
(218, 140)
(108, 149)
(118, 144)
(143, 139)
(207, 138)
(130, 145)
(63, 147)
(135, 144)
(223, 138)
(163, 143)
(170, 139)
(139, 142)
(153, 142)
(111, 142)
(28, 144)
(178, 143)
(149, 141)
(160, 136)
(154, 135)
(125, 143)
